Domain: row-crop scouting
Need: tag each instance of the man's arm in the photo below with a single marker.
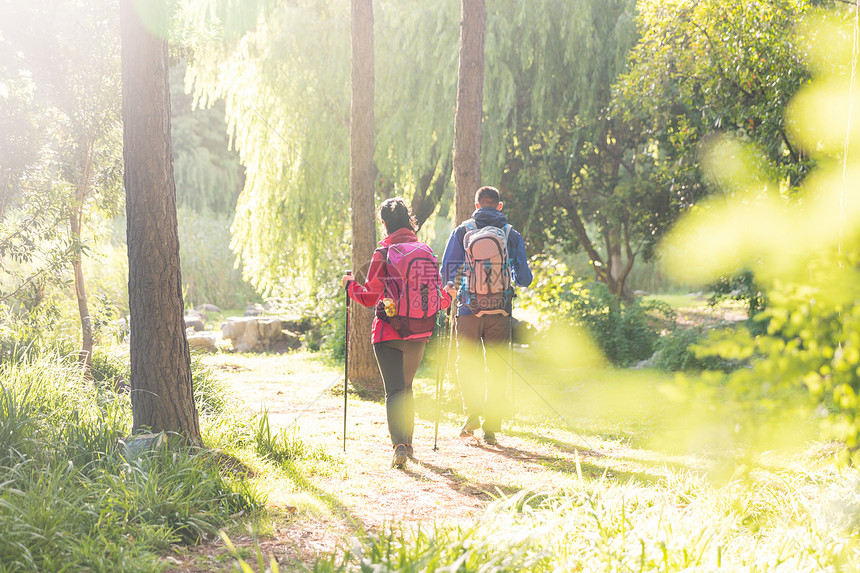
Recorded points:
(453, 258)
(520, 270)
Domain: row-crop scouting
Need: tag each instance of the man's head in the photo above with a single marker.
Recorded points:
(396, 214)
(488, 197)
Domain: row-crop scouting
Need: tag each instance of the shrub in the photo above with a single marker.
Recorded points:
(807, 362)
(626, 331)
(679, 350)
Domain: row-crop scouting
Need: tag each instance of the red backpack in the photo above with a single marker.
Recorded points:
(414, 285)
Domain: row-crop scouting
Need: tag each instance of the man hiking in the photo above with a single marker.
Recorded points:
(490, 257)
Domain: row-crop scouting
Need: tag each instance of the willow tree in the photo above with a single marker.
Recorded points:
(161, 388)
(567, 167)
(285, 85)
(549, 68)
(416, 91)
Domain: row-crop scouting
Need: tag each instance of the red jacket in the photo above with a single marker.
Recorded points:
(372, 291)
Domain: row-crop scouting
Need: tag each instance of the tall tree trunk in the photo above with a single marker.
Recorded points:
(161, 390)
(363, 370)
(75, 227)
(470, 99)
(86, 355)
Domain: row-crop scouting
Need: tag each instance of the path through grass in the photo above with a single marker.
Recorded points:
(577, 481)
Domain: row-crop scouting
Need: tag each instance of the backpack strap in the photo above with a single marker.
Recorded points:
(384, 252)
(507, 229)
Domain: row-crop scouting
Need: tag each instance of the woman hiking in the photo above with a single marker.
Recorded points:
(403, 284)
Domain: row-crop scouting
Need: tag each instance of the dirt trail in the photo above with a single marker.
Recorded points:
(452, 484)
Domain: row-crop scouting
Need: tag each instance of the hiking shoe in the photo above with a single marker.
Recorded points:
(409, 452)
(490, 438)
(400, 457)
(472, 424)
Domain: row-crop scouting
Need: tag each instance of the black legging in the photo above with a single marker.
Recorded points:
(398, 362)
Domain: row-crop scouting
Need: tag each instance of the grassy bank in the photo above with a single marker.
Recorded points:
(75, 498)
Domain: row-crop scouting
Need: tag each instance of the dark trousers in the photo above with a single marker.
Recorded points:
(398, 362)
(482, 366)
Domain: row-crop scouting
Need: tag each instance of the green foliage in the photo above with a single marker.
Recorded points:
(802, 352)
(74, 497)
(741, 287)
(34, 253)
(110, 368)
(678, 351)
(549, 73)
(625, 331)
(61, 60)
(284, 447)
(286, 94)
(806, 363)
(334, 341)
(209, 269)
(708, 68)
(549, 66)
(207, 172)
(26, 334)
(210, 391)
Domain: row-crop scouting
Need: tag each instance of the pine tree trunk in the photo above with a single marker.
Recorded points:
(363, 371)
(161, 390)
(470, 99)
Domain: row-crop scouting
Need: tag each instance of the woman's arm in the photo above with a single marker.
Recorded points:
(370, 293)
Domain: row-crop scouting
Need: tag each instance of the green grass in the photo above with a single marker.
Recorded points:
(678, 301)
(695, 302)
(765, 520)
(72, 498)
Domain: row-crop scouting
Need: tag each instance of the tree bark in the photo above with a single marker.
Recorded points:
(363, 370)
(161, 388)
(469, 111)
(85, 357)
(76, 218)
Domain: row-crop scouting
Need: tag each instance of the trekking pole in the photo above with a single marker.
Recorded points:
(346, 360)
(511, 362)
(440, 331)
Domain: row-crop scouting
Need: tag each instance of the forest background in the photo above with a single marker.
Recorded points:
(627, 138)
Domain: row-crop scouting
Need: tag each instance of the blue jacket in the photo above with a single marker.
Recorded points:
(455, 253)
